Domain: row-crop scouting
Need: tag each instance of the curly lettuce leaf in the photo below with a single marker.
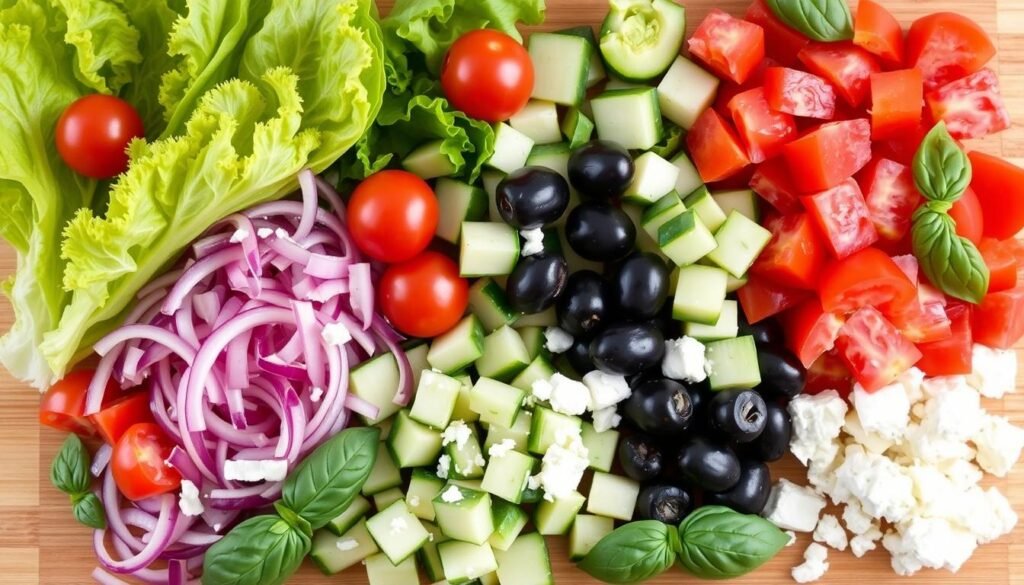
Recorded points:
(106, 44)
(154, 20)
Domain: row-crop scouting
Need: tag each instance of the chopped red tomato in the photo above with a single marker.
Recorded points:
(891, 197)
(946, 46)
(795, 255)
(999, 187)
(781, 42)
(950, 356)
(810, 331)
(63, 404)
(971, 107)
(868, 278)
(921, 322)
(1001, 259)
(824, 158)
(761, 299)
(139, 463)
(829, 373)
(729, 46)
(842, 217)
(968, 215)
(715, 148)
(909, 265)
(878, 32)
(845, 65)
(999, 320)
(114, 420)
(874, 350)
(897, 98)
(772, 182)
(728, 90)
(799, 93)
(903, 148)
(763, 130)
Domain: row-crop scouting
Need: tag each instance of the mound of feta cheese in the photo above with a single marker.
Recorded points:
(904, 466)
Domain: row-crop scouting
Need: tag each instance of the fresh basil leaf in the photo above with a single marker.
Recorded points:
(820, 20)
(632, 553)
(942, 171)
(294, 520)
(719, 543)
(325, 484)
(88, 510)
(950, 262)
(70, 470)
(263, 550)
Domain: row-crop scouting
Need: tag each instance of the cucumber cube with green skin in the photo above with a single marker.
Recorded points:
(380, 571)
(429, 161)
(375, 381)
(489, 578)
(526, 562)
(466, 461)
(601, 447)
(511, 149)
(706, 208)
(700, 294)
(458, 348)
(595, 72)
(561, 64)
(554, 518)
(496, 403)
(435, 399)
(740, 242)
(744, 201)
(487, 249)
(491, 178)
(552, 156)
(424, 486)
(488, 301)
(333, 554)
(613, 496)
(685, 239)
(457, 202)
(547, 425)
(385, 498)
(586, 532)
(509, 521)
(539, 120)
(726, 328)
(397, 532)
(577, 128)
(464, 514)
(539, 369)
(661, 212)
(462, 411)
(384, 475)
(355, 512)
(463, 561)
(736, 284)
(630, 117)
(385, 428)
(686, 91)
(506, 475)
(505, 355)
(413, 444)
(534, 340)
(518, 434)
(473, 484)
(428, 555)
(546, 318)
(689, 178)
(734, 363)
(654, 178)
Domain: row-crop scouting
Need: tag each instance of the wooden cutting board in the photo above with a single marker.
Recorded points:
(41, 543)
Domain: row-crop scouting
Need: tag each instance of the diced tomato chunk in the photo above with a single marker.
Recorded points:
(763, 130)
(761, 299)
(824, 158)
(728, 89)
(781, 42)
(811, 331)
(845, 65)
(715, 148)
(795, 256)
(843, 218)
(874, 350)
(1001, 259)
(868, 278)
(829, 373)
(772, 182)
(877, 31)
(999, 320)
(946, 46)
(951, 356)
(902, 148)
(897, 98)
(969, 218)
(799, 93)
(921, 322)
(731, 47)
(971, 107)
(891, 197)
(999, 187)
(122, 414)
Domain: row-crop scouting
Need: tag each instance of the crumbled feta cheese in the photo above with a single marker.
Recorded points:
(815, 564)
(985, 513)
(931, 543)
(885, 412)
(533, 241)
(912, 380)
(861, 545)
(871, 441)
(856, 520)
(316, 394)
(934, 386)
(569, 396)
(606, 419)
(961, 472)
(414, 501)
(999, 445)
(557, 340)
(562, 467)
(685, 360)
(792, 538)
(255, 470)
(817, 421)
(541, 390)
(479, 460)
(452, 494)
(954, 413)
(189, 502)
(995, 371)
(830, 533)
(792, 507)
(398, 525)
(458, 432)
(335, 334)
(880, 485)
(347, 544)
(606, 390)
(239, 236)
(821, 471)
(264, 233)
(499, 450)
(444, 464)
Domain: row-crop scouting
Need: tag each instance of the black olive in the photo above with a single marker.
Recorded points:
(773, 442)
(782, 375)
(750, 494)
(640, 286)
(601, 169)
(627, 349)
(660, 407)
(670, 328)
(532, 197)
(600, 232)
(584, 307)
(536, 282)
(707, 465)
(664, 503)
(766, 333)
(641, 458)
(739, 415)
(579, 357)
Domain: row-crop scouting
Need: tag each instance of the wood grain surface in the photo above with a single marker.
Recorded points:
(41, 543)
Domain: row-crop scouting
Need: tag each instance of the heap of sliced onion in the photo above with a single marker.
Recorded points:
(235, 350)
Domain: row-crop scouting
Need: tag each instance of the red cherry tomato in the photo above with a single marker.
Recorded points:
(966, 212)
(138, 463)
(425, 296)
(63, 405)
(999, 187)
(874, 350)
(971, 107)
(114, 420)
(488, 75)
(93, 135)
(946, 46)
(392, 216)
(731, 47)
(868, 278)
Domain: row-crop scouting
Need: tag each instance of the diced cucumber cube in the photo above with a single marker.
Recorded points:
(661, 212)
(577, 128)
(545, 319)
(518, 434)
(686, 91)
(385, 428)
(630, 117)
(429, 161)
(487, 300)
(555, 518)
(435, 399)
(654, 178)
(601, 447)
(333, 554)
(736, 284)
(689, 178)
(424, 486)
(457, 202)
(586, 532)
(463, 561)
(538, 120)
(744, 201)
(733, 363)
(547, 425)
(613, 496)
(491, 178)
(561, 64)
(358, 509)
(509, 521)
(488, 249)
(384, 475)
(551, 156)
(700, 294)
(616, 83)
(534, 340)
(740, 242)
(726, 328)
(504, 356)
(640, 38)
(526, 562)
(511, 149)
(428, 555)
(496, 403)
(462, 410)
(380, 571)
(397, 532)
(539, 369)
(707, 209)
(387, 497)
(466, 517)
(473, 484)
(413, 444)
(489, 578)
(685, 239)
(458, 348)
(506, 475)
(466, 460)
(416, 353)
(375, 381)
(595, 72)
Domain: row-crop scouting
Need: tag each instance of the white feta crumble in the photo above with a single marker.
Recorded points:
(347, 544)
(862, 544)
(335, 334)
(856, 520)
(817, 421)
(954, 412)
(995, 371)
(606, 419)
(414, 501)
(569, 396)
(999, 445)
(239, 236)
(398, 525)
(444, 464)
(557, 340)
(452, 495)
(685, 360)
(282, 234)
(562, 467)
(541, 390)
(255, 470)
(792, 507)
(815, 564)
(606, 390)
(885, 412)
(873, 442)
(264, 233)
(316, 394)
(533, 241)
(879, 484)
(792, 538)
(931, 543)
(830, 533)
(189, 502)
(499, 450)
(457, 432)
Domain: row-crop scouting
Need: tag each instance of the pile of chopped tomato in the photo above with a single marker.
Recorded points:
(827, 132)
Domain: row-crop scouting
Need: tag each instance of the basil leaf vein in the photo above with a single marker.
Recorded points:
(263, 550)
(70, 470)
(950, 262)
(632, 553)
(89, 511)
(942, 171)
(820, 20)
(719, 543)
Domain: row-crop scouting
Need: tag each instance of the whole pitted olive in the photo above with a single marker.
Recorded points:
(660, 407)
(601, 169)
(664, 503)
(600, 232)
(585, 305)
(628, 348)
(739, 415)
(709, 466)
(532, 197)
(639, 284)
(536, 282)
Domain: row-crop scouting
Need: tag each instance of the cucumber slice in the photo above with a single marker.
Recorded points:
(539, 369)
(463, 561)
(547, 425)
(387, 497)
(358, 509)
(457, 348)
(561, 65)
(736, 284)
(700, 294)
(518, 434)
(511, 149)
(555, 518)
(333, 554)
(380, 571)
(462, 410)
(429, 161)
(601, 447)
(534, 340)
(706, 208)
(685, 239)
(397, 532)
(630, 117)
(577, 128)
(385, 428)
(466, 462)
(487, 300)
(416, 353)
(435, 399)
(526, 562)
(733, 363)
(384, 475)
(491, 178)
(613, 496)
(504, 356)
(457, 202)
(586, 532)
(375, 381)
(726, 328)
(654, 178)
(488, 249)
(545, 319)
(506, 475)
(467, 518)
(740, 242)
(744, 201)
(428, 555)
(489, 579)
(413, 444)
(509, 521)
(552, 156)
(496, 403)
(686, 92)
(424, 486)
(641, 38)
(664, 210)
(595, 72)
(619, 83)
(689, 178)
(538, 120)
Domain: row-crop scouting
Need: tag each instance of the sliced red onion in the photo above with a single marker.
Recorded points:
(101, 459)
(180, 461)
(104, 578)
(361, 296)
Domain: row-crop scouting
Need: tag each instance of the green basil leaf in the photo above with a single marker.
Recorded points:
(632, 553)
(70, 470)
(942, 171)
(88, 510)
(263, 550)
(324, 485)
(719, 543)
(294, 520)
(950, 262)
(820, 20)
